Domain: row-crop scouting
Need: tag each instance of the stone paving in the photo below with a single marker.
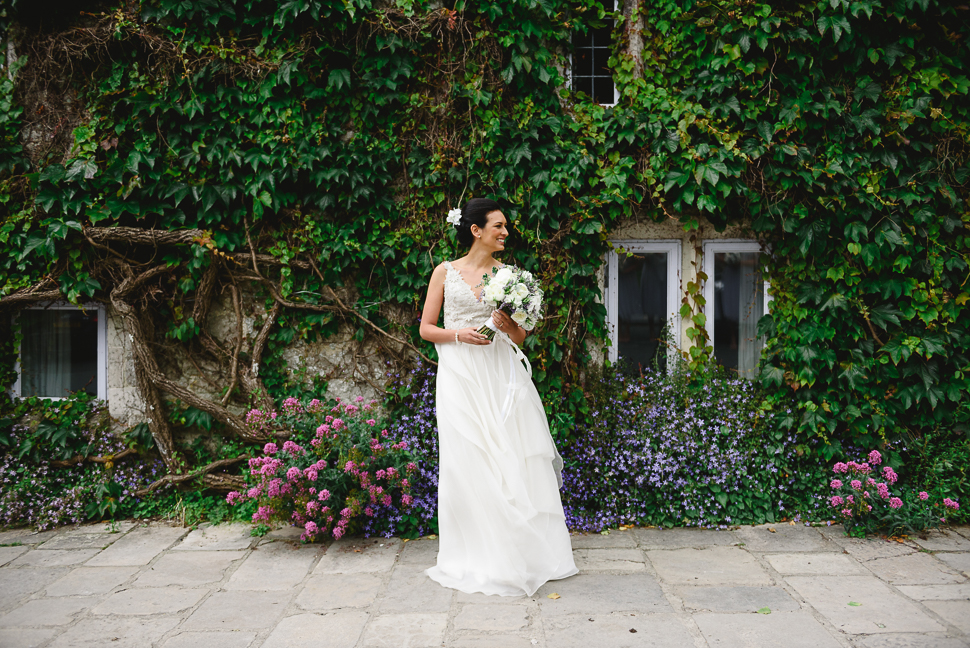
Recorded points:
(218, 587)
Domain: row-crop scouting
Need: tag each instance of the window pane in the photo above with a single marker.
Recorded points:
(582, 62)
(642, 305)
(591, 55)
(738, 305)
(603, 92)
(59, 352)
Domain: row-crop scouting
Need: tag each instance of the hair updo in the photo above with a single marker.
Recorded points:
(475, 212)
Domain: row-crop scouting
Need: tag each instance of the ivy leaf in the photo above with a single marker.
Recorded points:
(338, 79)
(517, 152)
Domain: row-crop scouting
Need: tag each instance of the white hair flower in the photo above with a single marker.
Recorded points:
(454, 217)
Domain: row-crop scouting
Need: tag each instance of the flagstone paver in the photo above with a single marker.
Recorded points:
(862, 605)
(406, 631)
(735, 599)
(85, 581)
(188, 568)
(914, 569)
(649, 630)
(711, 566)
(798, 630)
(161, 586)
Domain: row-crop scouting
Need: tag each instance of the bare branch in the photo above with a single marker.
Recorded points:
(178, 479)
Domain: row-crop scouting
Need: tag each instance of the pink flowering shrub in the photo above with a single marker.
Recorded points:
(351, 476)
(861, 496)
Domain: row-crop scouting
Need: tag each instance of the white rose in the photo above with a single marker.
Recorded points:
(521, 292)
(502, 277)
(515, 299)
(519, 317)
(526, 276)
(494, 293)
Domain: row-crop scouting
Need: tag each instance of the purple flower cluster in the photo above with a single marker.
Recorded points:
(658, 450)
(44, 497)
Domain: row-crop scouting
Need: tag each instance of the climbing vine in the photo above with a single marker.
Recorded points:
(306, 151)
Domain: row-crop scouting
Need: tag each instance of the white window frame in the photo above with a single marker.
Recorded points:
(712, 247)
(673, 250)
(616, 89)
(102, 382)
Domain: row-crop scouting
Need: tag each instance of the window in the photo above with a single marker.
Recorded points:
(590, 71)
(736, 298)
(642, 301)
(63, 349)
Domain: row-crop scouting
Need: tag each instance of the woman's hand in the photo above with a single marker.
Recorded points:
(504, 322)
(472, 336)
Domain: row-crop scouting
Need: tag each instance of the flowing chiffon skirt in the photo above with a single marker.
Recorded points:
(501, 524)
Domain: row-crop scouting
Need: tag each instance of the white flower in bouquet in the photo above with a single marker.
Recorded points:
(515, 292)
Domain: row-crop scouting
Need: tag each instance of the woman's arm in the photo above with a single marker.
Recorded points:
(430, 330)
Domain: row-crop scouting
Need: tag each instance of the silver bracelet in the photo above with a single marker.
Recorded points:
(457, 341)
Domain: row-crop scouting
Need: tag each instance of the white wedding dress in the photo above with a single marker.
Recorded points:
(501, 524)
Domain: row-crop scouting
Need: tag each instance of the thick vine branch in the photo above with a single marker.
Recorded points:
(215, 465)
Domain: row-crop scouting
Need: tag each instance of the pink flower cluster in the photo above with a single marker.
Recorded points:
(260, 420)
(950, 504)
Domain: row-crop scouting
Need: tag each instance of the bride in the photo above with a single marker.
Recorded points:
(501, 524)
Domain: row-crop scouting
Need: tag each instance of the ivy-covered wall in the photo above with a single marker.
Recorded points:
(159, 154)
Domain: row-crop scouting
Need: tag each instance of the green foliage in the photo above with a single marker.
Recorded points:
(342, 132)
(57, 433)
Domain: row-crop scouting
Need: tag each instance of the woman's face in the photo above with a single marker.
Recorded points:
(494, 233)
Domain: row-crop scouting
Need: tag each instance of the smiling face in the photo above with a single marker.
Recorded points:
(493, 235)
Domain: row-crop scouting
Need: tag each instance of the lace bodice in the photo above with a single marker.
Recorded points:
(461, 308)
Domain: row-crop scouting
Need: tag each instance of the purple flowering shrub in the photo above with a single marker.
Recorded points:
(865, 498)
(668, 450)
(354, 476)
(35, 493)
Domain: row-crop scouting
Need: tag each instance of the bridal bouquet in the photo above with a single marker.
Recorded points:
(516, 292)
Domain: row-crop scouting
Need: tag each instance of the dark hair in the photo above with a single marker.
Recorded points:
(474, 212)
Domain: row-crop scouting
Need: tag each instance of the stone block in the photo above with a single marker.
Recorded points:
(492, 641)
(602, 594)
(864, 549)
(683, 538)
(405, 631)
(422, 552)
(87, 581)
(898, 640)
(942, 540)
(7, 554)
(188, 568)
(229, 611)
(359, 556)
(241, 639)
(492, 618)
(799, 630)
(879, 609)
(288, 533)
(139, 546)
(410, 590)
(477, 597)
(712, 566)
(958, 592)
(125, 632)
(325, 592)
(80, 541)
(273, 566)
(26, 536)
(617, 631)
(823, 564)
(613, 540)
(218, 537)
(47, 612)
(956, 613)
(335, 630)
(787, 538)
(958, 561)
(157, 600)
(25, 637)
(962, 529)
(54, 558)
(914, 569)
(735, 599)
(609, 560)
(17, 584)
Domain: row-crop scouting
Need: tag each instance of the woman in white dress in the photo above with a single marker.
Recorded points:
(501, 524)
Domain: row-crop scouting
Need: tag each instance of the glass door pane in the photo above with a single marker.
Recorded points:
(642, 309)
(59, 352)
(738, 305)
